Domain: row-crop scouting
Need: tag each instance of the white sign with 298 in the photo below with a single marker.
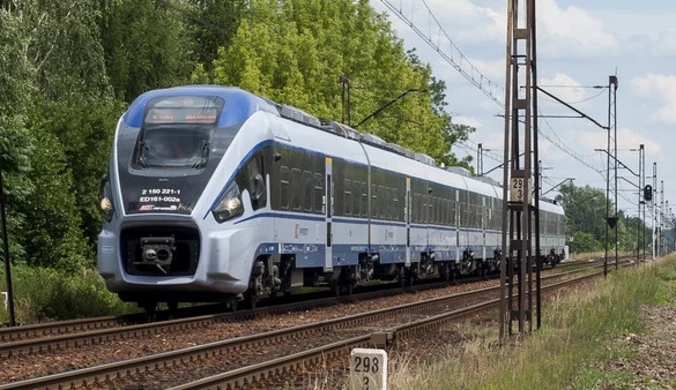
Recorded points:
(368, 369)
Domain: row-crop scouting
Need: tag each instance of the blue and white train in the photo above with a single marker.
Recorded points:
(214, 193)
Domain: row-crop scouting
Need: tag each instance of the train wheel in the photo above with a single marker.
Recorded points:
(484, 270)
(335, 288)
(151, 311)
(173, 310)
(444, 272)
(402, 277)
(230, 303)
(252, 300)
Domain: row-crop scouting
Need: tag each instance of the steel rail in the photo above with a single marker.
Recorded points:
(102, 373)
(39, 338)
(50, 329)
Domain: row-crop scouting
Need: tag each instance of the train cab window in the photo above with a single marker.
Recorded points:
(347, 197)
(307, 190)
(318, 193)
(284, 190)
(296, 188)
(176, 132)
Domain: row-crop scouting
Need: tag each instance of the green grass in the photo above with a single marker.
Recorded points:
(565, 353)
(43, 294)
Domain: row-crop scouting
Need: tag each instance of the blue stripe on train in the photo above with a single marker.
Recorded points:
(312, 255)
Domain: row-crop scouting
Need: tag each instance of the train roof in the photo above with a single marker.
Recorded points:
(241, 104)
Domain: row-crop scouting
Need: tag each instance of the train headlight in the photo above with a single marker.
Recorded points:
(229, 205)
(106, 208)
(105, 204)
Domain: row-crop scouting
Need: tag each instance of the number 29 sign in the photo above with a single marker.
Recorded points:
(368, 369)
(517, 190)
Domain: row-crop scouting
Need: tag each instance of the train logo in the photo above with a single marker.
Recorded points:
(300, 231)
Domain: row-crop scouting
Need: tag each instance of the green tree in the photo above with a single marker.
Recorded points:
(585, 209)
(16, 141)
(211, 24)
(146, 46)
(295, 51)
(85, 129)
(65, 48)
(53, 236)
(584, 243)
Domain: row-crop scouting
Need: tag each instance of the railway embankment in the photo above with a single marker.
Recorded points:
(612, 333)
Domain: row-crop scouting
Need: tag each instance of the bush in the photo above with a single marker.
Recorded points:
(43, 294)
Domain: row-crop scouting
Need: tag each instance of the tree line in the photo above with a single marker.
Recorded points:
(71, 67)
(585, 209)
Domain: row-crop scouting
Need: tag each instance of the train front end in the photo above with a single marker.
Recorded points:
(171, 194)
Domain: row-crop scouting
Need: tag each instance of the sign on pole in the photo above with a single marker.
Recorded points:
(368, 369)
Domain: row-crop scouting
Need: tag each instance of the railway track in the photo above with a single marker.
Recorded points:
(47, 337)
(259, 345)
(273, 372)
(20, 335)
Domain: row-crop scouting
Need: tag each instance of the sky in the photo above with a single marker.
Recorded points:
(580, 44)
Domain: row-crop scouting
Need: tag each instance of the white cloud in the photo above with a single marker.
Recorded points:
(666, 43)
(571, 30)
(466, 120)
(569, 95)
(665, 87)
(626, 139)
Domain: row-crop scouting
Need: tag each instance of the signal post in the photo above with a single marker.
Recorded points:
(520, 212)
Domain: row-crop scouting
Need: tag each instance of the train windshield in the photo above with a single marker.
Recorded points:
(176, 132)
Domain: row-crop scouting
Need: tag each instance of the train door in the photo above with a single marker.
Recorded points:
(328, 210)
(484, 218)
(408, 222)
(427, 203)
(456, 221)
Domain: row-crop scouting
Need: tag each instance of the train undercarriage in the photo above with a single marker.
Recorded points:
(276, 275)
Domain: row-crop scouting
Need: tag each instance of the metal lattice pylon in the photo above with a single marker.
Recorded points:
(520, 224)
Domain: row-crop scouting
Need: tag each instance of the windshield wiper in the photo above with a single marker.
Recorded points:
(203, 157)
(143, 154)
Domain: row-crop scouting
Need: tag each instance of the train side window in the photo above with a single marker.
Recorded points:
(307, 190)
(449, 212)
(318, 194)
(356, 210)
(426, 208)
(434, 209)
(296, 188)
(347, 208)
(397, 212)
(284, 192)
(388, 202)
(382, 202)
(364, 199)
(439, 215)
(374, 201)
